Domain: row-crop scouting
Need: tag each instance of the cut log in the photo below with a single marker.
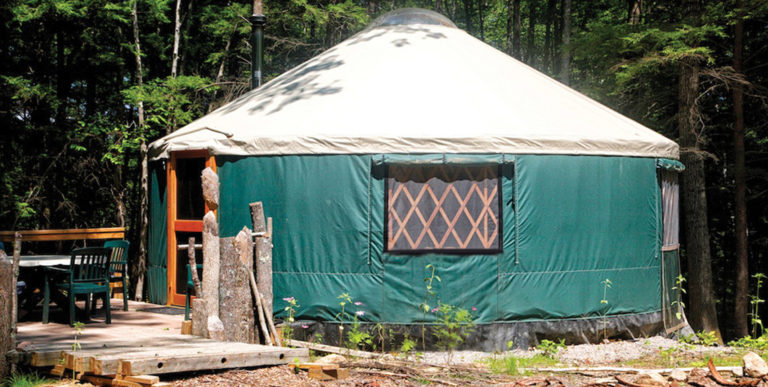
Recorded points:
(260, 309)
(200, 317)
(257, 218)
(235, 302)
(271, 323)
(193, 266)
(216, 329)
(263, 265)
(332, 349)
(211, 263)
(210, 188)
(6, 289)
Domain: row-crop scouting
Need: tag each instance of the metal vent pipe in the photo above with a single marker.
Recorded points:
(257, 45)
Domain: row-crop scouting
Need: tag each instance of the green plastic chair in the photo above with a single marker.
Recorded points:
(118, 263)
(88, 274)
(189, 290)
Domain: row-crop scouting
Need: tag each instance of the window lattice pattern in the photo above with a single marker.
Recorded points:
(443, 208)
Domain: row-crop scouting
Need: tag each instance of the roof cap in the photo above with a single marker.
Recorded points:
(411, 16)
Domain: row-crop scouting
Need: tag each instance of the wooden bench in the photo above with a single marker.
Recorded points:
(65, 234)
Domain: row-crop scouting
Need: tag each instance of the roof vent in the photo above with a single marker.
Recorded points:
(410, 16)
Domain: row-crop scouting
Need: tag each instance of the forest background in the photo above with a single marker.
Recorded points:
(86, 84)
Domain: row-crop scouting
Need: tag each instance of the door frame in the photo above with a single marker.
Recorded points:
(184, 225)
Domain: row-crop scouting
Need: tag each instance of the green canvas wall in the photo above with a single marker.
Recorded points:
(570, 222)
(158, 226)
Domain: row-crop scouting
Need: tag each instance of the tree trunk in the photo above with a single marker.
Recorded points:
(140, 266)
(468, 15)
(694, 203)
(62, 81)
(480, 19)
(741, 302)
(634, 11)
(514, 20)
(6, 295)
(557, 45)
(530, 55)
(235, 301)
(565, 53)
(176, 37)
(547, 57)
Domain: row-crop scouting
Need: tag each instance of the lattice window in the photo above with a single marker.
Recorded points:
(448, 208)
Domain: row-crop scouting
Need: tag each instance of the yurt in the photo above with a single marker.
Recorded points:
(412, 150)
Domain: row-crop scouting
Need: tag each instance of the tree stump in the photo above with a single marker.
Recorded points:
(211, 263)
(263, 261)
(6, 305)
(235, 302)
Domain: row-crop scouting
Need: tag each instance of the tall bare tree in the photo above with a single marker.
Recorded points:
(634, 11)
(693, 190)
(140, 267)
(530, 54)
(565, 51)
(740, 181)
(548, 19)
(513, 28)
(176, 38)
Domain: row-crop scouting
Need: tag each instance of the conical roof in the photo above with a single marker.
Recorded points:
(414, 83)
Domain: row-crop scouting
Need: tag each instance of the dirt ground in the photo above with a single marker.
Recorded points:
(644, 362)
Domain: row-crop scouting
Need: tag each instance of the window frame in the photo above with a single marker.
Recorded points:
(499, 245)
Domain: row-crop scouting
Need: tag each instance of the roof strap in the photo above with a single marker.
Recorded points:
(441, 159)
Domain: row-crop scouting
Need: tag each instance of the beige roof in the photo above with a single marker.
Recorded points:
(415, 87)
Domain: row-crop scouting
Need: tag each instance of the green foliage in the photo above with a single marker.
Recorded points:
(424, 306)
(702, 338)
(551, 348)
(747, 342)
(518, 365)
(357, 337)
(604, 301)
(754, 302)
(678, 303)
(454, 325)
(407, 346)
(290, 309)
(27, 380)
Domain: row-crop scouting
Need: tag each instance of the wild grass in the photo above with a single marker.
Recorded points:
(27, 380)
(517, 366)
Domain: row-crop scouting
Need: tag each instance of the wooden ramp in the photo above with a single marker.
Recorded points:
(135, 360)
(138, 347)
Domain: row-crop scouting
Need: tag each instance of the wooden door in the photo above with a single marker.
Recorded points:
(186, 209)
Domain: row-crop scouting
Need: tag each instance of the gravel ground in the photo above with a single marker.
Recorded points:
(588, 354)
(622, 351)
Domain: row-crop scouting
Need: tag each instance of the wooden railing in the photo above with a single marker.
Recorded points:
(66, 234)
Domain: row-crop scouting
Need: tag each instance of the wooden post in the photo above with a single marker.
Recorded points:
(6, 316)
(211, 261)
(199, 317)
(193, 266)
(211, 258)
(263, 261)
(235, 303)
(260, 309)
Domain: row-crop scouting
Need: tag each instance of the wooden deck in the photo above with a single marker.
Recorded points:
(137, 344)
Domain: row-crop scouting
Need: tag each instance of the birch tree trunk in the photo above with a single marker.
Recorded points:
(176, 37)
